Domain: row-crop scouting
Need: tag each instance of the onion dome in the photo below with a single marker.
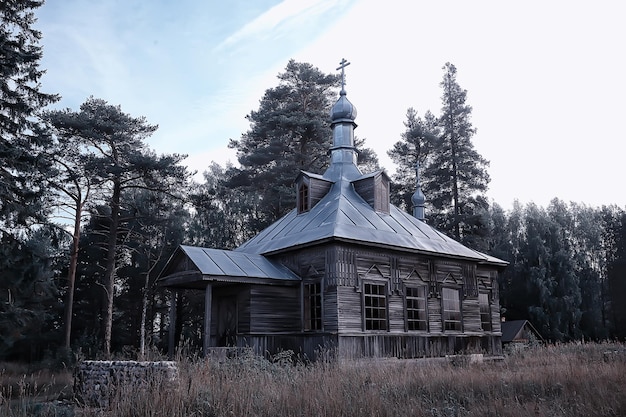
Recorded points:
(418, 199)
(343, 110)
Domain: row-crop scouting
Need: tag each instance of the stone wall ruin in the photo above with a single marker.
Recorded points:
(96, 382)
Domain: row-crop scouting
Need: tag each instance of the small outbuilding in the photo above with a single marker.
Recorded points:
(520, 332)
(345, 270)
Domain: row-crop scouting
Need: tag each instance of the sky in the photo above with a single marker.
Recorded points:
(546, 79)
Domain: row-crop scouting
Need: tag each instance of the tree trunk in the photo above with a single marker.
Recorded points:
(144, 311)
(109, 276)
(71, 280)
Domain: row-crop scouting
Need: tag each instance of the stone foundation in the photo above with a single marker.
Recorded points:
(96, 382)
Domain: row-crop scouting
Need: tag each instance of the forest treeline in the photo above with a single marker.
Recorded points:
(89, 214)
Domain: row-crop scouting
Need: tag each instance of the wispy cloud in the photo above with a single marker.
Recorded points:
(278, 16)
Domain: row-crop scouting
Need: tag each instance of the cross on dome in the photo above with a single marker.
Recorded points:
(342, 67)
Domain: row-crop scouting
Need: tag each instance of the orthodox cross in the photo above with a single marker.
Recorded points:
(341, 67)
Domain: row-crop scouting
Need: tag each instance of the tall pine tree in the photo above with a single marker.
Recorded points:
(123, 163)
(419, 141)
(289, 132)
(456, 178)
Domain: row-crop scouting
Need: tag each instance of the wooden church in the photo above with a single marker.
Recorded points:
(345, 270)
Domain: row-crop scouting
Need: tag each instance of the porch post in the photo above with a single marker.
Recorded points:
(171, 342)
(208, 298)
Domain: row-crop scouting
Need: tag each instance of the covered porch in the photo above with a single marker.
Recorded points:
(244, 294)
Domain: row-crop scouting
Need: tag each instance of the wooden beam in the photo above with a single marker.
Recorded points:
(208, 298)
(171, 345)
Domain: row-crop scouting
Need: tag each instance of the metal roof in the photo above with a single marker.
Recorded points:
(229, 266)
(343, 215)
(511, 330)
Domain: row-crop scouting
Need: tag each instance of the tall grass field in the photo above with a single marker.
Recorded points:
(558, 380)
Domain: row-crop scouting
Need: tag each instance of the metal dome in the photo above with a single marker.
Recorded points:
(343, 110)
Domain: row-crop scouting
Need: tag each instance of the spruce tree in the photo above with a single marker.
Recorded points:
(22, 185)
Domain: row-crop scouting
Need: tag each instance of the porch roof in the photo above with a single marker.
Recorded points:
(194, 267)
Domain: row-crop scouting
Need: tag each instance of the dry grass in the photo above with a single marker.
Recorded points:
(563, 380)
(21, 388)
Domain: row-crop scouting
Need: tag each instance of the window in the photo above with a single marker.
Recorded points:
(313, 306)
(381, 198)
(375, 302)
(416, 308)
(485, 311)
(303, 198)
(451, 309)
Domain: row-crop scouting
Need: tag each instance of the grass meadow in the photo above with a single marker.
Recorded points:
(586, 379)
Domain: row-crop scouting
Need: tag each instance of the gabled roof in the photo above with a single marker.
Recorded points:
(311, 175)
(221, 265)
(343, 215)
(512, 330)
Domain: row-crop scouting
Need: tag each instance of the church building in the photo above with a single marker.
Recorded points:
(345, 270)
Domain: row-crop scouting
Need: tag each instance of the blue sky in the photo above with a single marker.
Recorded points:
(545, 79)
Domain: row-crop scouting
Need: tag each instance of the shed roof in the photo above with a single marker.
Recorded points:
(223, 265)
(343, 215)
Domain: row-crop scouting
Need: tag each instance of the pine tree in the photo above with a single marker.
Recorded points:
(122, 162)
(456, 178)
(419, 141)
(289, 132)
(74, 183)
(22, 185)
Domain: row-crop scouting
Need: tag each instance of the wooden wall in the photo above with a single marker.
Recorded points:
(305, 345)
(317, 190)
(375, 191)
(350, 266)
(274, 309)
(275, 316)
(415, 346)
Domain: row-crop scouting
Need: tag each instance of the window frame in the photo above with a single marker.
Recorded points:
(368, 312)
(408, 307)
(313, 313)
(381, 195)
(445, 313)
(304, 198)
(487, 312)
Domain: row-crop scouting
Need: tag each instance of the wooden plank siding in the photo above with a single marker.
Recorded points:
(349, 310)
(375, 191)
(414, 346)
(400, 270)
(274, 309)
(395, 304)
(270, 317)
(317, 190)
(435, 321)
(241, 294)
(470, 311)
(330, 311)
(307, 346)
